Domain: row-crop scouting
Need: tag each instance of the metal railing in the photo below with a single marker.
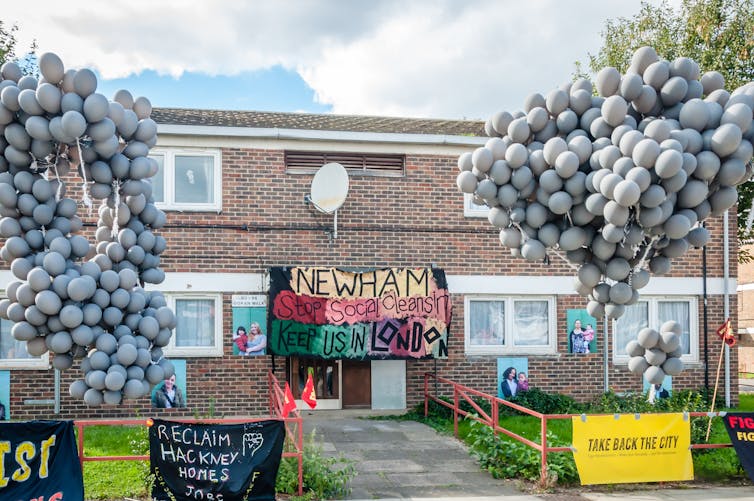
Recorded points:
(293, 430)
(492, 419)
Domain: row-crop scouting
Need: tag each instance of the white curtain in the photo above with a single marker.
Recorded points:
(627, 327)
(196, 322)
(10, 348)
(487, 323)
(530, 323)
(194, 179)
(158, 181)
(678, 311)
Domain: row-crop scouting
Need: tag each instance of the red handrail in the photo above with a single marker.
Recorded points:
(293, 429)
(492, 419)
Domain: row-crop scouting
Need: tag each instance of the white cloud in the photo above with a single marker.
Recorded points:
(417, 58)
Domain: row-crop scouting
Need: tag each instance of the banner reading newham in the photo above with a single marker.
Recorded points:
(629, 448)
(392, 313)
(232, 462)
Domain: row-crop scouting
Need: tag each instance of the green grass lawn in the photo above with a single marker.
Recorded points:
(105, 480)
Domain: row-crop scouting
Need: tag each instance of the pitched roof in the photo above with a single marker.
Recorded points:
(308, 121)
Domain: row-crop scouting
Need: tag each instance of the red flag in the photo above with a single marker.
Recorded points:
(309, 395)
(290, 403)
(725, 332)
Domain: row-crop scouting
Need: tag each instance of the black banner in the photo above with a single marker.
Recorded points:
(330, 313)
(740, 426)
(235, 462)
(40, 462)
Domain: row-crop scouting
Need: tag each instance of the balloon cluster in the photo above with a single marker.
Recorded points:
(72, 298)
(656, 354)
(616, 184)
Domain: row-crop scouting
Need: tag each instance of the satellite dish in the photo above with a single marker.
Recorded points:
(329, 188)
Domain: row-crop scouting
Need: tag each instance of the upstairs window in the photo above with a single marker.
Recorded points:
(188, 179)
(370, 164)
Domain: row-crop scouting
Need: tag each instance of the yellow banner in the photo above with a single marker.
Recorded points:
(629, 448)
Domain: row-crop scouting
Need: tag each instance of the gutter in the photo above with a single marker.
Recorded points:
(319, 135)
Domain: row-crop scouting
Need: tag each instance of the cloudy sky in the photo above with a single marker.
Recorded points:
(438, 58)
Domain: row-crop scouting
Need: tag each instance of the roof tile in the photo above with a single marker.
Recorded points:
(308, 121)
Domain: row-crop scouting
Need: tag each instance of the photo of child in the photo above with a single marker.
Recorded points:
(581, 335)
(512, 376)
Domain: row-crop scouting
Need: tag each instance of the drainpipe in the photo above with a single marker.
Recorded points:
(706, 326)
(726, 302)
(606, 359)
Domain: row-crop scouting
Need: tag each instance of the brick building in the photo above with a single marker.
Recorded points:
(746, 314)
(233, 185)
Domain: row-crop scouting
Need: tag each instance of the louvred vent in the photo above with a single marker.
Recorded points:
(306, 162)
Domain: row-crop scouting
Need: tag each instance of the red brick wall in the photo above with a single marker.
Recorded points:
(413, 221)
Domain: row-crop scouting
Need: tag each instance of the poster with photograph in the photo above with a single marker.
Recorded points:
(657, 391)
(582, 337)
(512, 376)
(249, 322)
(4, 395)
(171, 393)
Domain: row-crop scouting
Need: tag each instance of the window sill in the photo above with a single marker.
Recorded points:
(42, 364)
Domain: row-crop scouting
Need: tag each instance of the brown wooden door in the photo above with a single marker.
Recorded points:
(357, 384)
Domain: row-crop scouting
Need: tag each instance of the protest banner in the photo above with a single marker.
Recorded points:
(234, 462)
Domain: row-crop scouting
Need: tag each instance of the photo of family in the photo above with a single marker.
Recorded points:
(4, 395)
(171, 393)
(655, 392)
(513, 376)
(249, 315)
(581, 332)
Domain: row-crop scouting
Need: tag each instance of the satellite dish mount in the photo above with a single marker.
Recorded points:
(329, 191)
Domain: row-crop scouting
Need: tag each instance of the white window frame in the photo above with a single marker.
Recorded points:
(171, 350)
(169, 155)
(472, 210)
(509, 348)
(619, 354)
(40, 362)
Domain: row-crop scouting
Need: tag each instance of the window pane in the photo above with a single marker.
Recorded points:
(194, 179)
(487, 323)
(678, 311)
(530, 323)
(196, 322)
(627, 327)
(158, 181)
(10, 348)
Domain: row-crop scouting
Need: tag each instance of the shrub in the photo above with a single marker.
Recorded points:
(506, 458)
(324, 477)
(545, 403)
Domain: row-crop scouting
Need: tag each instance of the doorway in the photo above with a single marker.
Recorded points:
(357, 384)
(326, 375)
(339, 384)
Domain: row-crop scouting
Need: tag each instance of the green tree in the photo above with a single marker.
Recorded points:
(717, 34)
(8, 43)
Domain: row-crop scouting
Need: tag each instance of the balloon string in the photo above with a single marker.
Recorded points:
(643, 260)
(59, 191)
(84, 187)
(565, 260)
(116, 190)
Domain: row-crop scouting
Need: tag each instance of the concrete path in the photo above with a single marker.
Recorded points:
(403, 459)
(399, 460)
